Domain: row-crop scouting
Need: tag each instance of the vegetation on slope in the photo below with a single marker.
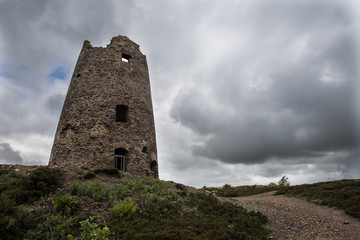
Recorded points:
(16, 190)
(49, 205)
(343, 194)
(242, 191)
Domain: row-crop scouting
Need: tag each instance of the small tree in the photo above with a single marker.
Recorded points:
(284, 181)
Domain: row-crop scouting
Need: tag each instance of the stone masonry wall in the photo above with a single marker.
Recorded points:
(88, 133)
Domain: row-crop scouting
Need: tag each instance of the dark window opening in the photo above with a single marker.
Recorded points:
(125, 58)
(145, 150)
(153, 168)
(78, 75)
(120, 159)
(122, 113)
(120, 151)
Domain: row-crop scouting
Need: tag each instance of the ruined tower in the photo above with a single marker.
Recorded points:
(107, 118)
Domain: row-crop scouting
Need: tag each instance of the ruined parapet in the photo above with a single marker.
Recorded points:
(107, 118)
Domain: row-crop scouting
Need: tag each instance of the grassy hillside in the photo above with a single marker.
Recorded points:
(53, 204)
(343, 194)
(242, 191)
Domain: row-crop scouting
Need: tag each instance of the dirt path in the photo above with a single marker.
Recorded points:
(295, 218)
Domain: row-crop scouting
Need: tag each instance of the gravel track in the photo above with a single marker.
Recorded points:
(295, 218)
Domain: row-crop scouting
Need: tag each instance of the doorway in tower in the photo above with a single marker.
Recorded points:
(120, 159)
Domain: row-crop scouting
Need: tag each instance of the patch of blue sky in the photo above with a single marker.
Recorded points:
(4, 73)
(58, 73)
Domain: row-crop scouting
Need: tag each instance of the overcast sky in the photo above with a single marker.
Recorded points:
(244, 91)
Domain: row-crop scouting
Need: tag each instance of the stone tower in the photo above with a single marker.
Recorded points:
(107, 119)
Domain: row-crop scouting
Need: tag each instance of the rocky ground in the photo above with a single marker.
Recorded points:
(295, 218)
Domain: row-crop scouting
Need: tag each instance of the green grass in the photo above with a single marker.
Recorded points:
(343, 194)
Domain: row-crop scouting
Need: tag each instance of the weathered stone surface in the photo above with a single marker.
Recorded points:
(88, 131)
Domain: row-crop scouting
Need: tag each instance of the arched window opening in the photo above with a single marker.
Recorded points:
(122, 113)
(120, 159)
(125, 58)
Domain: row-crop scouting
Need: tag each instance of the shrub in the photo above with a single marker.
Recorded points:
(173, 196)
(4, 171)
(75, 188)
(123, 210)
(66, 204)
(89, 175)
(91, 230)
(61, 226)
(16, 189)
(22, 189)
(8, 226)
(34, 233)
(14, 220)
(227, 185)
(7, 204)
(13, 174)
(272, 184)
(180, 187)
(45, 177)
(108, 171)
(200, 217)
(96, 191)
(119, 191)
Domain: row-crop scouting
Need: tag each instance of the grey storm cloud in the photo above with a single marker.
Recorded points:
(289, 106)
(8, 155)
(240, 88)
(55, 102)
